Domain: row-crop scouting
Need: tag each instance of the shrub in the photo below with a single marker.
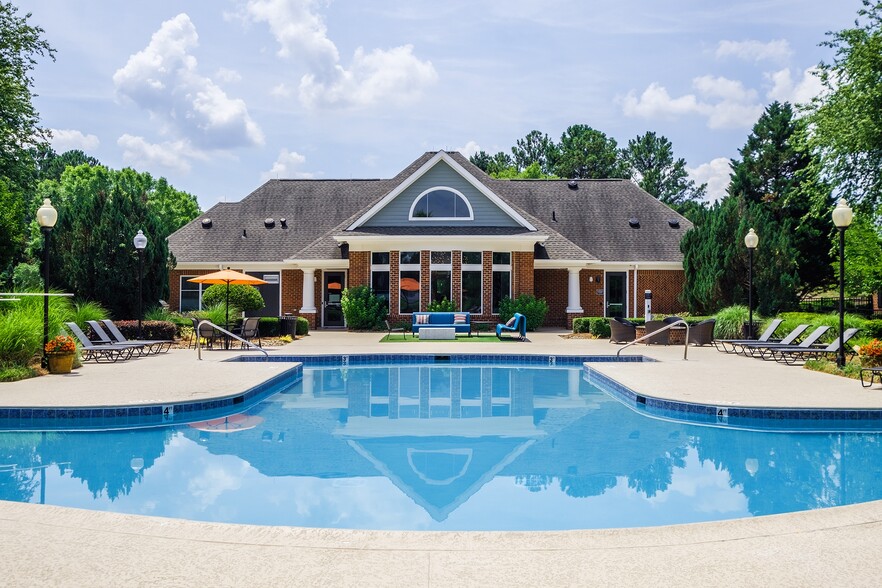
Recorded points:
(596, 325)
(873, 328)
(441, 306)
(242, 296)
(302, 326)
(217, 314)
(364, 310)
(85, 310)
(26, 277)
(730, 321)
(268, 326)
(528, 305)
(21, 327)
(830, 319)
(152, 330)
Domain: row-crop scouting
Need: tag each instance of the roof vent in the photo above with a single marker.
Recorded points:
(553, 216)
(674, 223)
(573, 185)
(284, 222)
(269, 223)
(634, 222)
(244, 233)
(206, 223)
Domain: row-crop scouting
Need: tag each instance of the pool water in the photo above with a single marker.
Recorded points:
(442, 447)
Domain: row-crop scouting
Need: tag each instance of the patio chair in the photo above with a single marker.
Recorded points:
(663, 338)
(99, 351)
(766, 335)
(517, 324)
(250, 330)
(153, 345)
(795, 354)
(765, 350)
(702, 333)
(621, 330)
(672, 319)
(745, 345)
(873, 373)
(104, 339)
(391, 330)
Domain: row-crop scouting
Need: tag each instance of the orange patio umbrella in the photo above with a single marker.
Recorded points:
(227, 277)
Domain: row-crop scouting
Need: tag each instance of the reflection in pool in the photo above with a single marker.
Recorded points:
(442, 447)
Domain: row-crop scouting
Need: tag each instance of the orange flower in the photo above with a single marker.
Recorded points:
(871, 349)
(60, 345)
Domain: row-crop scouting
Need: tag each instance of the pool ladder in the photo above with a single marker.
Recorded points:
(226, 332)
(665, 328)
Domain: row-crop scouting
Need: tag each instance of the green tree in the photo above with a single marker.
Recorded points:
(778, 172)
(535, 148)
(99, 212)
(21, 44)
(651, 164)
(847, 118)
(50, 165)
(174, 207)
(491, 164)
(863, 250)
(242, 296)
(588, 153)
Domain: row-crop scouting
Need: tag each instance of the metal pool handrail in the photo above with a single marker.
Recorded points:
(647, 336)
(222, 330)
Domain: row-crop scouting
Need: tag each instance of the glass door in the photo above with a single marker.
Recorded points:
(332, 294)
(616, 294)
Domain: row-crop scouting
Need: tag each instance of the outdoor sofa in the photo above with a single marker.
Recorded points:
(460, 321)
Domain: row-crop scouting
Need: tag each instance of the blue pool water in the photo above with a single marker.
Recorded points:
(442, 447)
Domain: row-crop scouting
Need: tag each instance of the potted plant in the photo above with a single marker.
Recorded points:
(871, 353)
(60, 353)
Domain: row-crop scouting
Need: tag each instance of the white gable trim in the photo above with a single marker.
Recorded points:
(441, 156)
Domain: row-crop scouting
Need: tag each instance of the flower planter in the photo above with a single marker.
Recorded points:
(60, 363)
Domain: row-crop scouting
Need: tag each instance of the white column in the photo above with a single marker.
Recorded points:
(308, 291)
(574, 299)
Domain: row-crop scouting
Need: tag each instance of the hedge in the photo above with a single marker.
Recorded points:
(268, 326)
(302, 326)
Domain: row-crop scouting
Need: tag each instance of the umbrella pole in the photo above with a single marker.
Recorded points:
(227, 322)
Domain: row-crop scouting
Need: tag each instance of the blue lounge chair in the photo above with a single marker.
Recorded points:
(519, 326)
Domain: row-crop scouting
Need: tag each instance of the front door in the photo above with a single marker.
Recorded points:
(332, 309)
(616, 294)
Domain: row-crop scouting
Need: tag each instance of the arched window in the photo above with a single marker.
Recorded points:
(441, 204)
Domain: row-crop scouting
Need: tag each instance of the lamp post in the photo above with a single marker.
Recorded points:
(751, 240)
(46, 217)
(140, 242)
(842, 219)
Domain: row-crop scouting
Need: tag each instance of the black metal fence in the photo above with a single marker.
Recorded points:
(862, 305)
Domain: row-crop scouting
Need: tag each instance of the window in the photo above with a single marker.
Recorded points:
(440, 273)
(409, 282)
(501, 278)
(441, 204)
(191, 295)
(472, 281)
(380, 275)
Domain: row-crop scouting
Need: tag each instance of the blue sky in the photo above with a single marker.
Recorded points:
(220, 96)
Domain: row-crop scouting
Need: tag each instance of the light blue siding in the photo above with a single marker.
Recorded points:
(395, 213)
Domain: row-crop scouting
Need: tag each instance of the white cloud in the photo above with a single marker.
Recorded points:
(725, 103)
(286, 167)
(282, 91)
(785, 89)
(715, 174)
(163, 79)
(376, 77)
(67, 139)
(174, 155)
(469, 149)
(230, 76)
(777, 51)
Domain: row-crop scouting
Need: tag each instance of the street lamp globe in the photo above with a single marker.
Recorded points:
(47, 215)
(140, 240)
(751, 240)
(842, 214)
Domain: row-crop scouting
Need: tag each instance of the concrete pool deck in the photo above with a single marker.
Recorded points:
(47, 545)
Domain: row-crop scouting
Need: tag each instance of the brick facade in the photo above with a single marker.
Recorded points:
(359, 268)
(522, 273)
(552, 285)
(666, 286)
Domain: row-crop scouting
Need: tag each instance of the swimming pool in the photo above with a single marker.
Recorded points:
(443, 446)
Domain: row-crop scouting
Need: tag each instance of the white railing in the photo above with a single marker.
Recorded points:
(226, 332)
(661, 330)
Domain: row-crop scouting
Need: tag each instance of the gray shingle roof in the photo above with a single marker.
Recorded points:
(590, 222)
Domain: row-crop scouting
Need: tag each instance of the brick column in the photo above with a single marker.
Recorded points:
(522, 273)
(425, 280)
(456, 278)
(359, 268)
(487, 290)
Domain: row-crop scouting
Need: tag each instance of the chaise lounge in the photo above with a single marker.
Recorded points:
(153, 345)
(766, 336)
(96, 351)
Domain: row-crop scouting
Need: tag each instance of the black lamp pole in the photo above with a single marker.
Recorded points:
(46, 217)
(842, 219)
(751, 240)
(140, 242)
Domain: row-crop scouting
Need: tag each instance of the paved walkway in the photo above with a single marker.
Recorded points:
(57, 546)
